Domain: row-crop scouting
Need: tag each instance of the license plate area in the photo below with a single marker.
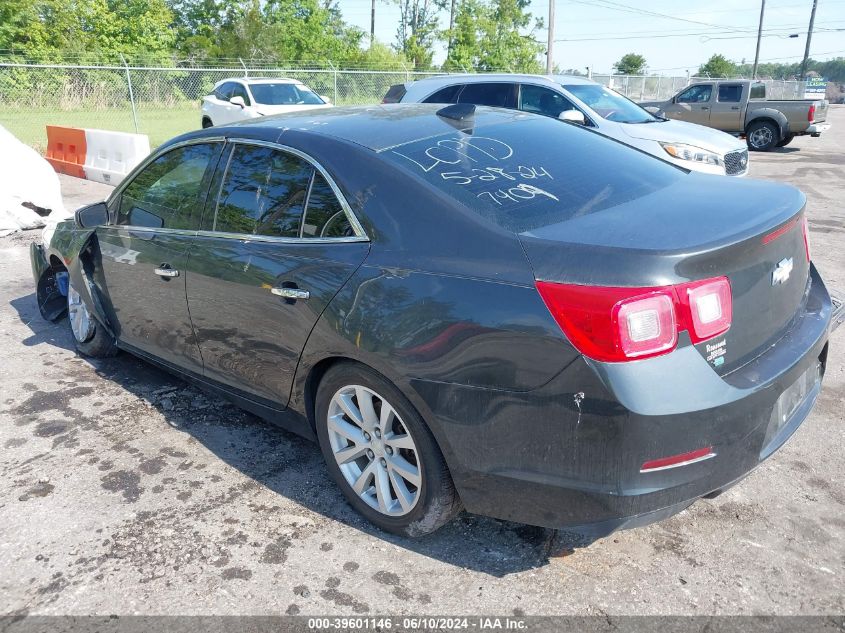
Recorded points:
(792, 401)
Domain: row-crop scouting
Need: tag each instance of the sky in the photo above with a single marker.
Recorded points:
(597, 33)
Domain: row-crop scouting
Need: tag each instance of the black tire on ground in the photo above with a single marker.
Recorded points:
(761, 136)
(206, 122)
(438, 501)
(786, 141)
(98, 343)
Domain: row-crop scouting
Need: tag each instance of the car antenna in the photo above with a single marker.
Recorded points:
(458, 111)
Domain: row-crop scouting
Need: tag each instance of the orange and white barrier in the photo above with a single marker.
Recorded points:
(99, 155)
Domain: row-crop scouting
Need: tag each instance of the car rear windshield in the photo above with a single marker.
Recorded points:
(610, 105)
(284, 94)
(534, 172)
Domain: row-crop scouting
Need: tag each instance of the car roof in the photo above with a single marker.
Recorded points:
(422, 88)
(376, 127)
(260, 80)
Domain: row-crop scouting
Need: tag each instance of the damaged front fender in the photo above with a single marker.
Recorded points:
(62, 261)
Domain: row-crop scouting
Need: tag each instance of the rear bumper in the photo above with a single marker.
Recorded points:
(568, 455)
(817, 128)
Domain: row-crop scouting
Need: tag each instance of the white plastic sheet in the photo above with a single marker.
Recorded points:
(25, 177)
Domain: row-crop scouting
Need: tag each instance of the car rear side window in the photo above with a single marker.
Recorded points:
(167, 192)
(263, 192)
(730, 93)
(757, 91)
(449, 94)
(324, 216)
(500, 95)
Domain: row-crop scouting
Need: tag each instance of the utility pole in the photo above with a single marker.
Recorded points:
(372, 23)
(759, 37)
(550, 64)
(451, 28)
(803, 74)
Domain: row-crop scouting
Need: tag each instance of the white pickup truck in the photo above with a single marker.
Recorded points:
(740, 107)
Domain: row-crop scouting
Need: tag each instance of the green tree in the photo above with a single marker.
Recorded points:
(630, 64)
(417, 31)
(494, 35)
(718, 66)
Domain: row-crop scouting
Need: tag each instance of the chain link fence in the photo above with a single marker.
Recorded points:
(165, 102)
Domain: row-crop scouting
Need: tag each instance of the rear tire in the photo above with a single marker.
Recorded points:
(372, 438)
(761, 136)
(206, 123)
(89, 336)
(786, 141)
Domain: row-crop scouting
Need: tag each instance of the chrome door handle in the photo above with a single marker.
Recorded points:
(705, 107)
(734, 107)
(166, 272)
(291, 293)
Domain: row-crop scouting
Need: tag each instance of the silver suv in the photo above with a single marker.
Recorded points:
(582, 101)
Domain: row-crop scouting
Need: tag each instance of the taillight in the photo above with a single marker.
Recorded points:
(646, 325)
(811, 113)
(805, 227)
(613, 324)
(710, 307)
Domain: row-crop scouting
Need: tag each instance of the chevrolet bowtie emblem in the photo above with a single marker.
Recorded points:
(782, 270)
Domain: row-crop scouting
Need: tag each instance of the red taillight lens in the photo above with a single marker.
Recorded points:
(811, 113)
(614, 324)
(710, 307)
(805, 227)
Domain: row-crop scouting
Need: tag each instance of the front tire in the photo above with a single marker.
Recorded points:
(762, 136)
(381, 454)
(89, 336)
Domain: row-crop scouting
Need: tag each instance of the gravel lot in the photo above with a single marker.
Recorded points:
(123, 490)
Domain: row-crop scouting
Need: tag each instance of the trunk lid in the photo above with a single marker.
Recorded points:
(702, 227)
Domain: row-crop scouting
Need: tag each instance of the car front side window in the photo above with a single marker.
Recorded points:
(263, 192)
(696, 94)
(167, 192)
(240, 91)
(541, 100)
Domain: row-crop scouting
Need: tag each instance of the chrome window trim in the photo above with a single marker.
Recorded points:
(118, 191)
(242, 237)
(360, 233)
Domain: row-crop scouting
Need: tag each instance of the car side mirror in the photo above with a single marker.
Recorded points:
(92, 216)
(325, 98)
(238, 101)
(573, 116)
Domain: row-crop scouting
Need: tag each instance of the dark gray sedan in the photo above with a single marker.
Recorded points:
(466, 307)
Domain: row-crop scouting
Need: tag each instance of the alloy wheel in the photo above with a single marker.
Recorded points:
(761, 137)
(81, 322)
(374, 450)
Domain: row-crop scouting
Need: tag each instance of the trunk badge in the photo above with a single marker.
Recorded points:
(782, 270)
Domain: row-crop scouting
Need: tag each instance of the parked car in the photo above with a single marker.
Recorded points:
(582, 101)
(241, 99)
(464, 306)
(740, 107)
